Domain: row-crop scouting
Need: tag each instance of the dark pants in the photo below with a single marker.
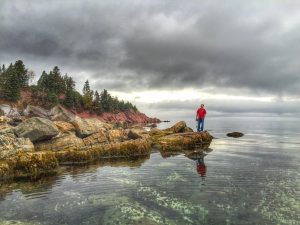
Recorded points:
(200, 125)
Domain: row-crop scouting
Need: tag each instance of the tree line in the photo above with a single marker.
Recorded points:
(53, 88)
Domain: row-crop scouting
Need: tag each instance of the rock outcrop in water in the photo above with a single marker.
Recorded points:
(235, 134)
(39, 145)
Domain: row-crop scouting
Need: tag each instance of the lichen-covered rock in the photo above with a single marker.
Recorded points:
(59, 113)
(181, 141)
(36, 111)
(37, 129)
(64, 127)
(156, 133)
(60, 143)
(136, 133)
(179, 127)
(11, 145)
(86, 127)
(96, 139)
(94, 150)
(117, 135)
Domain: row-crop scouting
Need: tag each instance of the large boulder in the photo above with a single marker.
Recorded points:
(59, 113)
(37, 129)
(184, 141)
(9, 111)
(179, 127)
(60, 143)
(11, 145)
(86, 127)
(36, 111)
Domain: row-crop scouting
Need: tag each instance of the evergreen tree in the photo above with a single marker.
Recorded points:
(52, 99)
(11, 85)
(78, 100)
(87, 96)
(50, 87)
(21, 73)
(56, 82)
(97, 103)
(69, 83)
(105, 100)
(43, 81)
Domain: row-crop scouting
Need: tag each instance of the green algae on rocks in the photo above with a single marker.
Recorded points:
(38, 145)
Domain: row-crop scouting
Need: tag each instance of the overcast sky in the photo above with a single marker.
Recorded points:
(165, 56)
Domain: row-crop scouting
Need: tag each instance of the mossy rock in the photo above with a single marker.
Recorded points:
(28, 164)
(183, 141)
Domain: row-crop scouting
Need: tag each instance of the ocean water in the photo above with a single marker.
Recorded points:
(254, 179)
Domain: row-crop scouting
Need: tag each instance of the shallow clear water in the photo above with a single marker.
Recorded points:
(251, 180)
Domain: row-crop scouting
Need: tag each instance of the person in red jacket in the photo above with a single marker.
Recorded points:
(201, 113)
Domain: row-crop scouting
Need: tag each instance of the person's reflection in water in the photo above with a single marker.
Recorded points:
(201, 168)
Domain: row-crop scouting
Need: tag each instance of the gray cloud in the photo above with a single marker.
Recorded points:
(125, 45)
(178, 110)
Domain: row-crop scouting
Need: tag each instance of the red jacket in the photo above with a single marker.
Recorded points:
(201, 169)
(201, 112)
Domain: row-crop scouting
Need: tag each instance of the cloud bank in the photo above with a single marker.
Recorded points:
(230, 47)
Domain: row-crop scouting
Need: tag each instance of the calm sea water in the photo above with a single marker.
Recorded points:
(251, 180)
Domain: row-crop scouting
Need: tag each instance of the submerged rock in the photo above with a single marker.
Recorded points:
(37, 129)
(235, 134)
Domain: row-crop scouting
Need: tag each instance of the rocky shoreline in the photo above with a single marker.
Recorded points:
(41, 143)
